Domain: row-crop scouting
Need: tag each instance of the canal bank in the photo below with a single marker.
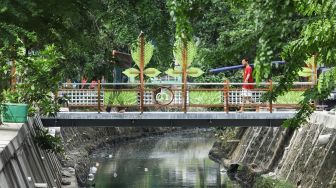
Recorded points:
(304, 157)
(23, 163)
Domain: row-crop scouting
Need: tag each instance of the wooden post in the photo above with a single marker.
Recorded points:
(142, 65)
(184, 74)
(270, 101)
(99, 86)
(13, 76)
(315, 75)
(226, 95)
(315, 68)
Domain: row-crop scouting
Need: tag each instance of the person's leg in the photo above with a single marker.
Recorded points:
(242, 105)
(243, 94)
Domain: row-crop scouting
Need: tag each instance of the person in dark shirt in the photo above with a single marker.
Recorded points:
(247, 78)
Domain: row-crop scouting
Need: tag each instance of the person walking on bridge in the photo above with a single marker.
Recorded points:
(247, 78)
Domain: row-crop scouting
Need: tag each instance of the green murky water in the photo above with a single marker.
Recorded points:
(170, 160)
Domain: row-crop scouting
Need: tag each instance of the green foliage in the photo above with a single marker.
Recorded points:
(173, 72)
(308, 71)
(327, 81)
(148, 53)
(120, 98)
(10, 96)
(316, 38)
(48, 142)
(267, 182)
(151, 72)
(190, 54)
(292, 97)
(180, 12)
(37, 85)
(194, 72)
(191, 51)
(131, 72)
(262, 65)
(136, 55)
(205, 97)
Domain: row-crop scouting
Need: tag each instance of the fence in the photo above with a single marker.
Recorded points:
(225, 95)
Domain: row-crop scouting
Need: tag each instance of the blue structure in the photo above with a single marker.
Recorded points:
(222, 69)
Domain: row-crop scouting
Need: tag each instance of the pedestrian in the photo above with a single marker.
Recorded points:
(93, 84)
(84, 81)
(247, 78)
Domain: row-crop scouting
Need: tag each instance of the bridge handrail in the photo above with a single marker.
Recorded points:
(221, 94)
(190, 84)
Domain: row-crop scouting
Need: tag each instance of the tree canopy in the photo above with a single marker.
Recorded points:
(86, 32)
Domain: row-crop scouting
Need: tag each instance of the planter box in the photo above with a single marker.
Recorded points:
(14, 113)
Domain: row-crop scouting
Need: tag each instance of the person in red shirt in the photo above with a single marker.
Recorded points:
(247, 78)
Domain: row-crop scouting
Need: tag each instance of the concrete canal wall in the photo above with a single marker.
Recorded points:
(305, 157)
(22, 162)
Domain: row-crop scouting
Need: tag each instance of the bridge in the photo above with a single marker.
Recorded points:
(169, 105)
(167, 119)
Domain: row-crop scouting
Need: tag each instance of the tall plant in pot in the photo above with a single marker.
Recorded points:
(14, 108)
(38, 81)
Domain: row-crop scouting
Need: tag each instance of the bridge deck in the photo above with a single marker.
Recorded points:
(167, 119)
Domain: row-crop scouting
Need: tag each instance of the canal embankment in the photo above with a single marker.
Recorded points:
(304, 157)
(23, 163)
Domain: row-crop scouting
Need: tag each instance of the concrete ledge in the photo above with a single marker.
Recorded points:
(167, 119)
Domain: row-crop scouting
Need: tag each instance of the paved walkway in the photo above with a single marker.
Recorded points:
(8, 131)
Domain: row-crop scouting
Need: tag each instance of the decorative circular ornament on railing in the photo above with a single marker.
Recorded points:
(163, 96)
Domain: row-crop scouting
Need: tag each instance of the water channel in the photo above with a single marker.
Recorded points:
(169, 160)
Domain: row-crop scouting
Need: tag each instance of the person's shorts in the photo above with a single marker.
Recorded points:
(246, 93)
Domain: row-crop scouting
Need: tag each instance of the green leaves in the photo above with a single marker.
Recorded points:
(306, 72)
(194, 72)
(173, 72)
(327, 81)
(151, 72)
(262, 64)
(136, 55)
(148, 53)
(191, 51)
(131, 72)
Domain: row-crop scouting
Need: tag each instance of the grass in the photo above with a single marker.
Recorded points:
(267, 182)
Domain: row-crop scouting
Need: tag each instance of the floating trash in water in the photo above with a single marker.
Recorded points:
(115, 175)
(110, 156)
(93, 170)
(90, 177)
(223, 170)
(97, 164)
(146, 169)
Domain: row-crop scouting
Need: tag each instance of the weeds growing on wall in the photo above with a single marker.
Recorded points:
(48, 142)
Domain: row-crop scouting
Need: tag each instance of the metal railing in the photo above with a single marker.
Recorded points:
(226, 96)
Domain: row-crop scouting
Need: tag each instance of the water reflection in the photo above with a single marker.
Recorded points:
(173, 160)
